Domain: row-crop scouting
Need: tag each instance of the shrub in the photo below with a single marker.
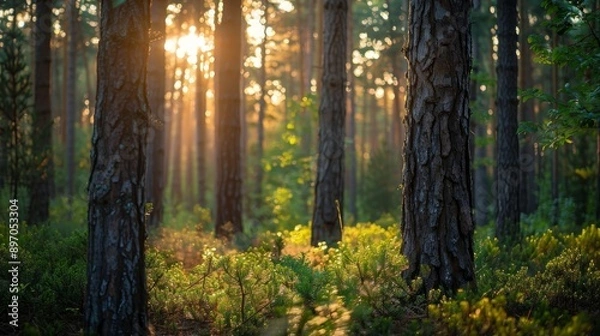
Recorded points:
(247, 291)
(52, 279)
(368, 274)
(488, 316)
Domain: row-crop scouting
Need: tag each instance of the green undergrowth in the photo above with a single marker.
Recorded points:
(548, 284)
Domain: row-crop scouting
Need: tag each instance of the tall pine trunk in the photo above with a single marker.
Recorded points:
(437, 224)
(327, 222)
(351, 172)
(177, 150)
(201, 131)
(71, 94)
(509, 174)
(116, 295)
(43, 174)
(374, 124)
(306, 29)
(200, 106)
(228, 43)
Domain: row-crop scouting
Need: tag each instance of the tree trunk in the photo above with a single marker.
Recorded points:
(329, 186)
(373, 123)
(188, 131)
(307, 46)
(527, 199)
(43, 175)
(437, 224)
(65, 65)
(554, 163)
(228, 219)
(200, 110)
(71, 94)
(201, 131)
(176, 162)
(88, 80)
(351, 172)
(317, 16)
(260, 129)
(509, 174)
(116, 298)
(155, 169)
(363, 133)
(247, 197)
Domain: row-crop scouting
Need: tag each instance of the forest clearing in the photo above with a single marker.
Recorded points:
(300, 167)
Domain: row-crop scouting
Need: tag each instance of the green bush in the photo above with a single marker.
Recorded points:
(488, 316)
(248, 291)
(177, 295)
(547, 284)
(52, 279)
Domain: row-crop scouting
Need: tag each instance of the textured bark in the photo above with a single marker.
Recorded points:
(437, 224)
(156, 165)
(228, 219)
(71, 94)
(116, 291)
(43, 174)
(507, 222)
(329, 187)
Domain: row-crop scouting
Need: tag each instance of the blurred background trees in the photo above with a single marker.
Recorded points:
(280, 84)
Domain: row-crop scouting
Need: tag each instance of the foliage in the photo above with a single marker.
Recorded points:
(52, 279)
(380, 191)
(368, 276)
(82, 163)
(15, 107)
(575, 109)
(249, 290)
(547, 284)
(288, 173)
(573, 204)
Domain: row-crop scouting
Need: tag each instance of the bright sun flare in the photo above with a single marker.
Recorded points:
(188, 46)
